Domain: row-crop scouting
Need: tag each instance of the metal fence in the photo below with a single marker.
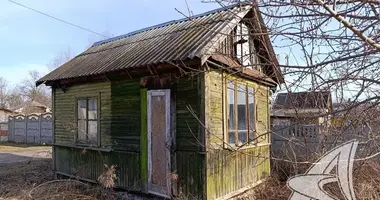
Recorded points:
(37, 129)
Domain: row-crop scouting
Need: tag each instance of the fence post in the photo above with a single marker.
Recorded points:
(26, 129)
(39, 128)
(13, 129)
(9, 128)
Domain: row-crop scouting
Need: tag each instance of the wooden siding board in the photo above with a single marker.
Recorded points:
(64, 107)
(190, 177)
(144, 139)
(114, 133)
(90, 164)
(126, 115)
(187, 126)
(122, 127)
(238, 168)
(214, 107)
(190, 163)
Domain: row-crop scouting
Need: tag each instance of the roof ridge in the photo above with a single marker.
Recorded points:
(313, 91)
(171, 22)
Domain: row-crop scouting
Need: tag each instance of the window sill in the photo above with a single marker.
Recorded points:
(234, 148)
(84, 147)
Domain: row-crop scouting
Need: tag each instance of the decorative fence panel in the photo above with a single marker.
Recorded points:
(46, 129)
(299, 141)
(37, 129)
(295, 140)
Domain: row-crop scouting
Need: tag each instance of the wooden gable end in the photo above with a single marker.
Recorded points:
(253, 44)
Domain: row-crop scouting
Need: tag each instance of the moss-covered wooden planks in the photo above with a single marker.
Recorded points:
(228, 171)
(126, 115)
(187, 125)
(89, 164)
(214, 108)
(64, 111)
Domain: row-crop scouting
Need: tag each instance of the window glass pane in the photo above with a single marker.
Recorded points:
(231, 112)
(251, 110)
(238, 32)
(242, 136)
(253, 57)
(244, 31)
(92, 131)
(239, 48)
(82, 105)
(82, 130)
(92, 109)
(231, 137)
(246, 54)
(239, 52)
(242, 112)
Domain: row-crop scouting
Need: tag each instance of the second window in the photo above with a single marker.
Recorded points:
(240, 113)
(87, 120)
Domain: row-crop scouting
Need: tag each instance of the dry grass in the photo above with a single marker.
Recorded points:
(6, 146)
(35, 180)
(107, 178)
(366, 184)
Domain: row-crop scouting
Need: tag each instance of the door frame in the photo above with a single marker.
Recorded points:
(166, 93)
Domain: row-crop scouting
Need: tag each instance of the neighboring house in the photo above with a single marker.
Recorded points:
(4, 114)
(360, 118)
(31, 107)
(169, 105)
(313, 107)
(300, 121)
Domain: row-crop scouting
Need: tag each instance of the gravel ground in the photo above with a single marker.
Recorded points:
(14, 154)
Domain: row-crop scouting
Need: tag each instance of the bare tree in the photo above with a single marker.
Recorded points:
(324, 45)
(14, 98)
(60, 59)
(3, 93)
(328, 45)
(30, 92)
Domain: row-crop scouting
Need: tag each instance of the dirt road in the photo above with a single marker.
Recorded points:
(14, 154)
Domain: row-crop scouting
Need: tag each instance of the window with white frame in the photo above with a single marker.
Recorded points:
(241, 110)
(87, 120)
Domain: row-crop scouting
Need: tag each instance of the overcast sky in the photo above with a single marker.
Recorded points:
(30, 40)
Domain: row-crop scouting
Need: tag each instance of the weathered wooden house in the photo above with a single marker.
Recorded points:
(181, 108)
(4, 114)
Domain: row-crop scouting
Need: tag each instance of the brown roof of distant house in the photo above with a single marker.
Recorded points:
(6, 110)
(176, 40)
(303, 100)
(30, 103)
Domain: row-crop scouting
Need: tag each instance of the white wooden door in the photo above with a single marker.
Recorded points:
(159, 142)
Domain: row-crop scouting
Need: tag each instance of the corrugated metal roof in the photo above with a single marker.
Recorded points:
(171, 41)
(303, 100)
